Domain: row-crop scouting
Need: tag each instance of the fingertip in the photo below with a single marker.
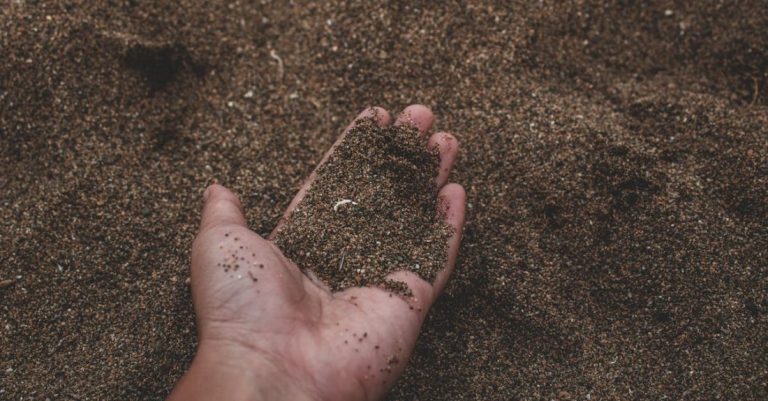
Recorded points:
(418, 116)
(210, 188)
(221, 207)
(378, 113)
(444, 141)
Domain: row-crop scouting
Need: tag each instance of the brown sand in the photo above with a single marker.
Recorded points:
(371, 211)
(615, 157)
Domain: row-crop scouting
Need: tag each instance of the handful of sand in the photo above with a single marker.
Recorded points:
(371, 211)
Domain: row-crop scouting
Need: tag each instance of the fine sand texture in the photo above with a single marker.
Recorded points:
(372, 210)
(615, 157)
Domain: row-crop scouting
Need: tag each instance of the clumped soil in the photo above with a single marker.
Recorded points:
(615, 157)
(371, 210)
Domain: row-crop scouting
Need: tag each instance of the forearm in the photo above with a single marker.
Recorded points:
(221, 373)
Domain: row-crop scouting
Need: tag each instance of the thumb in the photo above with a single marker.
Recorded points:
(221, 207)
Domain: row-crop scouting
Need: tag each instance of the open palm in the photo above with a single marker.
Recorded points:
(275, 332)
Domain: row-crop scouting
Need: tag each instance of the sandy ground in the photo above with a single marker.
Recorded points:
(615, 156)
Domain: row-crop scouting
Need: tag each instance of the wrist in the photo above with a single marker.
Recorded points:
(223, 370)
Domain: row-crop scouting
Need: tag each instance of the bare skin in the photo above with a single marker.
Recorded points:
(269, 332)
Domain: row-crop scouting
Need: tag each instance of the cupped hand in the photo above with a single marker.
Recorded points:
(268, 331)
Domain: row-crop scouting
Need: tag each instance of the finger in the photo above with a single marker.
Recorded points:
(221, 207)
(378, 113)
(452, 207)
(417, 116)
(447, 149)
(382, 118)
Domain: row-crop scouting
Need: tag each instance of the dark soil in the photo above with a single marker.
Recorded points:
(372, 210)
(615, 155)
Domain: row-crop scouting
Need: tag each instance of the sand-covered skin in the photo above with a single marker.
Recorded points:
(371, 210)
(614, 154)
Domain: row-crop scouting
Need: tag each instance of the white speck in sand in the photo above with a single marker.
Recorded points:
(341, 203)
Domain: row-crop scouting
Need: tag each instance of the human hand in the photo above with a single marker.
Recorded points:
(279, 335)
